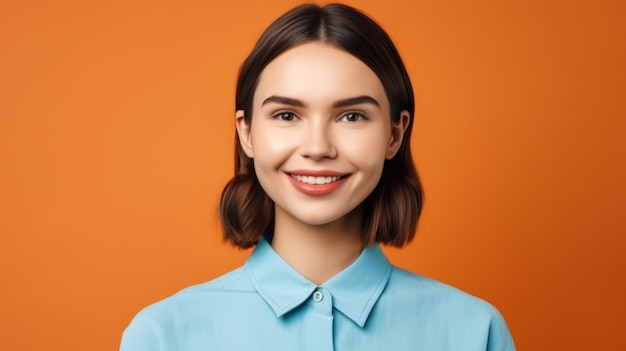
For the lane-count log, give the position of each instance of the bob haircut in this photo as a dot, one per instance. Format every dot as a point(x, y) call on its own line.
point(391, 211)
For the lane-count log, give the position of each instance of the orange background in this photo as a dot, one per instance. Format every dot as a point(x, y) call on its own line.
point(116, 139)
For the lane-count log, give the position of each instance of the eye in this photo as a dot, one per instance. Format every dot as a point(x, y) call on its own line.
point(284, 116)
point(353, 117)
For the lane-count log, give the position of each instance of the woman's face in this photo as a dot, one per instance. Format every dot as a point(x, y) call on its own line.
point(320, 132)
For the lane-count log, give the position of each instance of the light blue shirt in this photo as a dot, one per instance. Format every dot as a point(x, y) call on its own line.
point(267, 305)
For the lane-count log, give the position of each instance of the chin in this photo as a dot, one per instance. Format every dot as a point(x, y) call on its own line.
point(317, 221)
point(320, 220)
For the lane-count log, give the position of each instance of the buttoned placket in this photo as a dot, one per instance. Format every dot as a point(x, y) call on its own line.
point(319, 321)
point(308, 308)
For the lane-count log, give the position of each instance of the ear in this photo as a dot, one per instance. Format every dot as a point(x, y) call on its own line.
point(397, 134)
point(243, 130)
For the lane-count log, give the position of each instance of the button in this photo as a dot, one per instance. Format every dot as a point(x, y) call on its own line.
point(317, 296)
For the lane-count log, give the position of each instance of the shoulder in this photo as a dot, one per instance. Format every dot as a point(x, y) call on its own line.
point(405, 285)
point(207, 292)
point(197, 302)
point(446, 308)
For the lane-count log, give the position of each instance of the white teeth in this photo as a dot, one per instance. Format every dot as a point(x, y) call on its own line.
point(314, 180)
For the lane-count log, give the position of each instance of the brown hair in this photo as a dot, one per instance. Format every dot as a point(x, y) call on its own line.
point(391, 211)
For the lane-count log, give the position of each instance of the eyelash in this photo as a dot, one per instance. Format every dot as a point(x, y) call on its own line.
point(279, 116)
point(359, 115)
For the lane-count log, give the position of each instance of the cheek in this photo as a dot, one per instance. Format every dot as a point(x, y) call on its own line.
point(367, 149)
point(270, 148)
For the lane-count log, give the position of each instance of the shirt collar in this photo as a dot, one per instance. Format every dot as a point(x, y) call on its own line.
point(355, 290)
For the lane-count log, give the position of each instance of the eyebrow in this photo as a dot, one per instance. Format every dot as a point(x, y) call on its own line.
point(363, 99)
point(283, 100)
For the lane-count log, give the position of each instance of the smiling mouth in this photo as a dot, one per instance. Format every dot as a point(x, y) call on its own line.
point(315, 180)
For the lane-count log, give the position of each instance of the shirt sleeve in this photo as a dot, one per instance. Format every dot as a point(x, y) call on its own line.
point(141, 335)
point(500, 338)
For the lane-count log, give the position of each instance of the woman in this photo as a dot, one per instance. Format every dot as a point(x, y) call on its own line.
point(324, 173)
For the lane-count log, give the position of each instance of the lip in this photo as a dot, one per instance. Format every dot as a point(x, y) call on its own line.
point(317, 189)
point(317, 173)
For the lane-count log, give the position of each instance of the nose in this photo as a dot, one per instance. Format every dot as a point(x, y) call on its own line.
point(317, 141)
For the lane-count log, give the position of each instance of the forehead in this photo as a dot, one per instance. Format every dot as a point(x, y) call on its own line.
point(318, 73)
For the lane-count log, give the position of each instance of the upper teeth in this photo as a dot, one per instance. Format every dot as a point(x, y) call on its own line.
point(314, 180)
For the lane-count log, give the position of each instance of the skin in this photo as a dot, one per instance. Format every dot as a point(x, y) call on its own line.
point(318, 110)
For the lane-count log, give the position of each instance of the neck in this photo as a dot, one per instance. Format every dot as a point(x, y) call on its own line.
point(318, 252)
